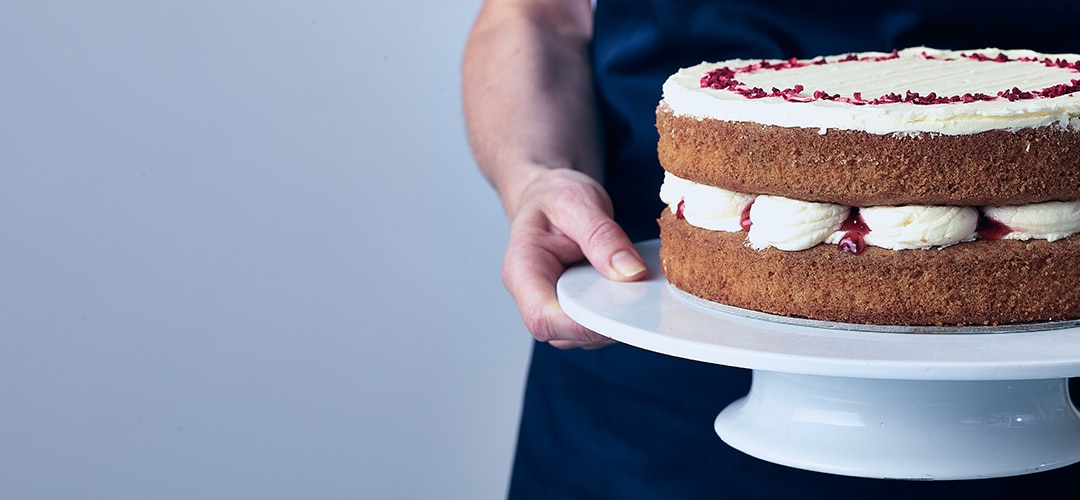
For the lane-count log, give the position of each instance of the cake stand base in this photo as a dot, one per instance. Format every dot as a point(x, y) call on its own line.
point(905, 429)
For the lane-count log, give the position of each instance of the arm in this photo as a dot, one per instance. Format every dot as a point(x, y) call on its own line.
point(533, 129)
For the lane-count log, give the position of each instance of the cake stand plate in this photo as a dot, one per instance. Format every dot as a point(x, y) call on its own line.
point(953, 404)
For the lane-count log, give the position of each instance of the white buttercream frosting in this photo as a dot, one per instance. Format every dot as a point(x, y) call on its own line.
point(791, 225)
point(912, 71)
point(707, 207)
point(1050, 221)
point(918, 226)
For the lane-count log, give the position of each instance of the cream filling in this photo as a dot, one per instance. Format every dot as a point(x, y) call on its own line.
point(792, 225)
point(1049, 221)
point(713, 208)
point(912, 71)
point(789, 224)
point(918, 226)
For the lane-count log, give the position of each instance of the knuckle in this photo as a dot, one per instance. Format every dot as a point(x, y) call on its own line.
point(584, 214)
point(579, 194)
point(508, 272)
point(540, 325)
point(600, 231)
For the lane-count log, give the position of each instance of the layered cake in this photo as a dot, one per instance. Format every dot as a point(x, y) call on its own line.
point(921, 187)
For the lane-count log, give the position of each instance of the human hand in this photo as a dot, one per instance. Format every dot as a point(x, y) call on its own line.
point(562, 217)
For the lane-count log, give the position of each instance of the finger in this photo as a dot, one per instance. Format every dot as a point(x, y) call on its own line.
point(588, 346)
point(530, 270)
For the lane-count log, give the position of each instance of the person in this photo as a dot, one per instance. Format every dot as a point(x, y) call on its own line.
point(559, 99)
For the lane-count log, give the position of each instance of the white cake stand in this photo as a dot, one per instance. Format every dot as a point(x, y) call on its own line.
point(830, 398)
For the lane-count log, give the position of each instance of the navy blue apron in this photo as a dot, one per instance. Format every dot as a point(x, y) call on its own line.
point(624, 423)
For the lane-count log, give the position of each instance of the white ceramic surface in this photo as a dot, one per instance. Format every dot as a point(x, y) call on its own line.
point(861, 403)
point(651, 315)
point(905, 429)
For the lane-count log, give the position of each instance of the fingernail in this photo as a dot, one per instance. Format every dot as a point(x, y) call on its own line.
point(627, 264)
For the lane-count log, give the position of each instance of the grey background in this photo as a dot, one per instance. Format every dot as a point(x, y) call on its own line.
point(245, 253)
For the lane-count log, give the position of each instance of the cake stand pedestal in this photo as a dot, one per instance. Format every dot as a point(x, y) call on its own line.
point(954, 404)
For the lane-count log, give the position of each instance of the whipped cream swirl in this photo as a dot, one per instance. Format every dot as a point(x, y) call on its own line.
point(792, 225)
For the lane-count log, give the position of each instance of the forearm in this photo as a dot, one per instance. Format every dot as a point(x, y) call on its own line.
point(532, 126)
point(527, 93)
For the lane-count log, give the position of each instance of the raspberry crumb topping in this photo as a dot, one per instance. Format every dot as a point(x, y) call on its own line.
point(725, 78)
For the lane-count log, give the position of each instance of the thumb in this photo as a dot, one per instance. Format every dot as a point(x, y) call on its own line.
point(609, 250)
point(584, 214)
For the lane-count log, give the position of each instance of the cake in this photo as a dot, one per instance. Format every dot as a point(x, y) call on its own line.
point(918, 187)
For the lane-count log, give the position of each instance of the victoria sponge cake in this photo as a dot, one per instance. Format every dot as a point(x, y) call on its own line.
point(918, 187)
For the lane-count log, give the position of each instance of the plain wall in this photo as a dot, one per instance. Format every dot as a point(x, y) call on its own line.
point(245, 253)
